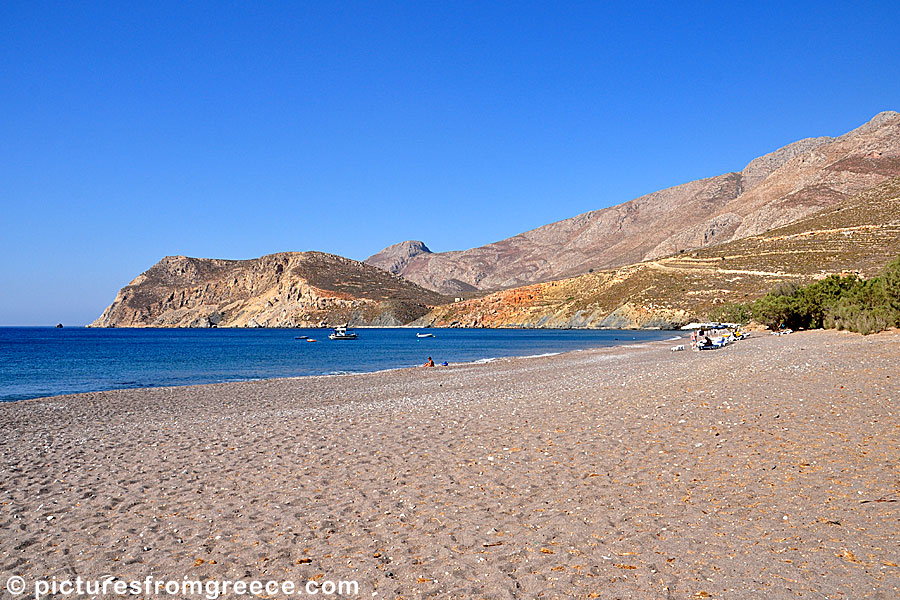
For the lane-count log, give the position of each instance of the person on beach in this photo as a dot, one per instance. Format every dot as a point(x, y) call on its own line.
point(429, 363)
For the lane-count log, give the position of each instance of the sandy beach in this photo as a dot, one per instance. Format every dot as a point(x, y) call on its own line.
point(768, 469)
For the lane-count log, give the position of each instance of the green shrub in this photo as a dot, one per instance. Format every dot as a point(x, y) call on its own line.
point(776, 311)
point(867, 308)
point(836, 302)
point(812, 301)
point(732, 313)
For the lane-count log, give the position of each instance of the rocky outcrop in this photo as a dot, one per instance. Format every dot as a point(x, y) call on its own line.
point(773, 190)
point(290, 289)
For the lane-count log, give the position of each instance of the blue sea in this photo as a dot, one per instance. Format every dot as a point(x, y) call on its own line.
point(45, 361)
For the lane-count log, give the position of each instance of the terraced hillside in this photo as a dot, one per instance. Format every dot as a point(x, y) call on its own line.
point(861, 234)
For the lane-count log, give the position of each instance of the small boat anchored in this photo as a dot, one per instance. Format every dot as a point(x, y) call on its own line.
point(341, 333)
point(424, 335)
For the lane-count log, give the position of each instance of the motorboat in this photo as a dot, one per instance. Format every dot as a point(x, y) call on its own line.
point(424, 335)
point(341, 333)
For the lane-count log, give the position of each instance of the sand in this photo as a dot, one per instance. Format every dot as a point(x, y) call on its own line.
point(768, 469)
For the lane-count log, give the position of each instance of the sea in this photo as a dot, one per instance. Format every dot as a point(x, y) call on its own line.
point(47, 361)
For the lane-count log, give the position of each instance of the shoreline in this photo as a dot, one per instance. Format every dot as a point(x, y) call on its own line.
point(88, 326)
point(765, 469)
point(329, 374)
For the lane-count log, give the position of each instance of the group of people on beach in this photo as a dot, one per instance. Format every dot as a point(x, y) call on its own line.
point(700, 339)
point(430, 363)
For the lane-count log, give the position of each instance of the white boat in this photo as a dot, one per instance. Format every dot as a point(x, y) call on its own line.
point(341, 333)
point(424, 335)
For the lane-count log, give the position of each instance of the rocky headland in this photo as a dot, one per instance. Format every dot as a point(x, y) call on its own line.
point(289, 289)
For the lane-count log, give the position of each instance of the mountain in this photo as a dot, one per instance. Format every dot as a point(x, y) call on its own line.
point(772, 190)
point(859, 234)
point(289, 289)
point(395, 258)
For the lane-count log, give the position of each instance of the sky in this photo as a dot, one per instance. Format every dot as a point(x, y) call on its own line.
point(132, 131)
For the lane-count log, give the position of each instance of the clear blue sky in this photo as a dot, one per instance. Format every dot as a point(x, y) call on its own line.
point(129, 131)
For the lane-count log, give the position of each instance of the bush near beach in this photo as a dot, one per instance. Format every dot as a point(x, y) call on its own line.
point(836, 302)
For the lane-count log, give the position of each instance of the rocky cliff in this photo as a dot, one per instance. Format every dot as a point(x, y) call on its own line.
point(289, 289)
point(773, 190)
point(860, 234)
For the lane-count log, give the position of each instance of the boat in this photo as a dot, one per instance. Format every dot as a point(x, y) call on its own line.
point(301, 337)
point(341, 333)
point(424, 335)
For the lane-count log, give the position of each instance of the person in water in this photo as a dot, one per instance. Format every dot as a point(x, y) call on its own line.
point(429, 363)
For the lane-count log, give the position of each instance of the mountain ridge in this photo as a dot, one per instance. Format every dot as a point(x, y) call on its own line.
point(772, 190)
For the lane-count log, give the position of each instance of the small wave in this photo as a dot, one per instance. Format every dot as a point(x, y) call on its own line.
point(135, 384)
point(389, 369)
point(340, 373)
point(672, 339)
point(483, 361)
point(541, 355)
